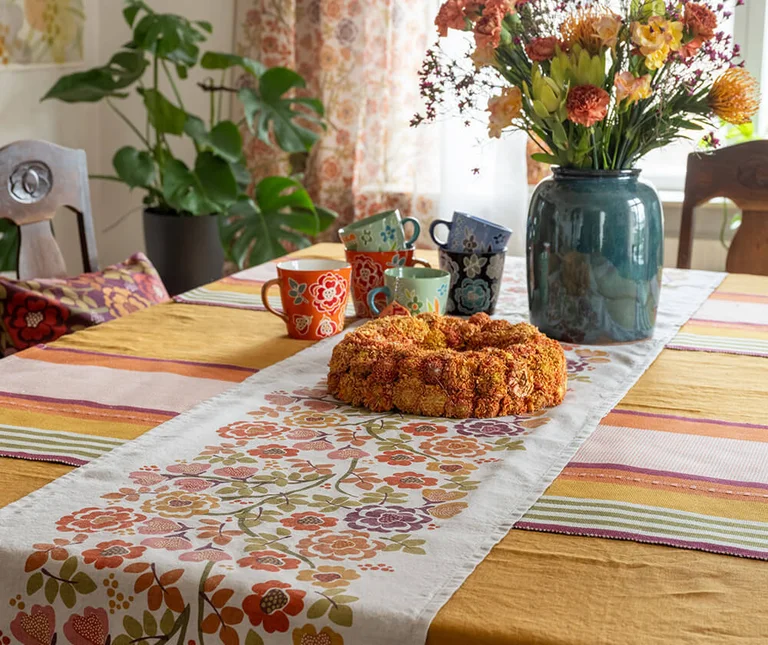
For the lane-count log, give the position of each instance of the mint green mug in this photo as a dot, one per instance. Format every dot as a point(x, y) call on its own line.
point(418, 289)
point(381, 232)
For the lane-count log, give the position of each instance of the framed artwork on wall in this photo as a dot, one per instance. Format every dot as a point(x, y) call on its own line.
point(36, 33)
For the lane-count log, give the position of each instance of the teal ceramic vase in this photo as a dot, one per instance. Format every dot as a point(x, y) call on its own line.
point(595, 249)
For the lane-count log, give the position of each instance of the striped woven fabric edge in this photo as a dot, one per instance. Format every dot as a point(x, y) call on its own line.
point(650, 524)
point(721, 344)
point(69, 448)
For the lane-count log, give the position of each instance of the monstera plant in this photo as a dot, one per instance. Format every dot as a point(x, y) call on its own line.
point(185, 203)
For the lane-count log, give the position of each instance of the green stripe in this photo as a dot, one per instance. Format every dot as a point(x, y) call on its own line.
point(673, 515)
point(53, 442)
point(33, 432)
point(59, 451)
point(641, 527)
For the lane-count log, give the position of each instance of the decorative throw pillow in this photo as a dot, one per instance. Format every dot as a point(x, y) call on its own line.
point(40, 311)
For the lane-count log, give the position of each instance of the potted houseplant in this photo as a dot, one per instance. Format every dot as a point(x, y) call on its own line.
point(197, 214)
point(596, 90)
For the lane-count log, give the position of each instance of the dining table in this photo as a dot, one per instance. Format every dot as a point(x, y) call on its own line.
point(653, 530)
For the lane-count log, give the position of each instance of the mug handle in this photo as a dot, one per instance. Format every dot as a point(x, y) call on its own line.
point(416, 230)
point(434, 225)
point(372, 297)
point(264, 289)
point(423, 263)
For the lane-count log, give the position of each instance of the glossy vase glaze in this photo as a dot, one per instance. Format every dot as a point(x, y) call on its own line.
point(595, 248)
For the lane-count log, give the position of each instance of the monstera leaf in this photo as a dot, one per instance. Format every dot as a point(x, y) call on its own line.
point(281, 214)
point(268, 110)
point(9, 245)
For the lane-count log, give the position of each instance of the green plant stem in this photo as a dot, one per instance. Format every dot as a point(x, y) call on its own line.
point(173, 85)
point(128, 122)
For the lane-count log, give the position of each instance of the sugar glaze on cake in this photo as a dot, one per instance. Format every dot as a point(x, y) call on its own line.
point(440, 366)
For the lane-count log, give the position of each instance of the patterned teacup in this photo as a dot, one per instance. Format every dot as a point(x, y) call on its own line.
point(418, 289)
point(368, 273)
point(314, 295)
point(475, 280)
point(380, 232)
point(468, 233)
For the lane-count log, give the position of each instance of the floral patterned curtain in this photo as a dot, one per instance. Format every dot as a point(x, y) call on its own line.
point(361, 58)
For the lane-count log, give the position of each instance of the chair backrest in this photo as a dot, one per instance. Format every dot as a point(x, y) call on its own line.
point(739, 173)
point(36, 178)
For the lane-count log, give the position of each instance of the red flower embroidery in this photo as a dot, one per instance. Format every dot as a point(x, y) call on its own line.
point(273, 451)
point(251, 430)
point(35, 628)
point(419, 429)
point(329, 293)
point(399, 457)
point(100, 520)
point(90, 628)
point(110, 555)
point(272, 561)
point(272, 603)
point(308, 521)
point(32, 319)
point(410, 479)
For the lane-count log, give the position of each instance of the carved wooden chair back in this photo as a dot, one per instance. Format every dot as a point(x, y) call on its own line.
point(36, 178)
point(739, 173)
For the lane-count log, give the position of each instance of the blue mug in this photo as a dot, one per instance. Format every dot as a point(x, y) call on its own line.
point(469, 234)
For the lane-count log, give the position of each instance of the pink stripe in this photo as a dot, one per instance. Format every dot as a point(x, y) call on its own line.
point(716, 351)
point(723, 323)
point(89, 404)
point(692, 419)
point(665, 473)
point(209, 303)
point(647, 539)
point(59, 459)
point(143, 358)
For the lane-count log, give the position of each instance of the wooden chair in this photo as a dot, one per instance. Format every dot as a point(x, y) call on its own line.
point(739, 173)
point(36, 178)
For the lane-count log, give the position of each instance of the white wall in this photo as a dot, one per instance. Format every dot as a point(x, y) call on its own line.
point(94, 127)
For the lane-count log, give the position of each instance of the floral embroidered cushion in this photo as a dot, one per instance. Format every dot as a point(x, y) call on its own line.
point(40, 311)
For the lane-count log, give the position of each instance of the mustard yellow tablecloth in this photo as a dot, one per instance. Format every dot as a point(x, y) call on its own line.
point(533, 587)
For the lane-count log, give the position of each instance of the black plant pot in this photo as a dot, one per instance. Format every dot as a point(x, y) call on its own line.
point(185, 250)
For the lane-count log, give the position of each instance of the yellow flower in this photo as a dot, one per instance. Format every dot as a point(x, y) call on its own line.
point(504, 109)
point(328, 577)
point(484, 57)
point(180, 504)
point(656, 39)
point(735, 96)
point(630, 87)
point(607, 29)
point(308, 635)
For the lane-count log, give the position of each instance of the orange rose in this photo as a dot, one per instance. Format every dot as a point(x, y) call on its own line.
point(691, 48)
point(488, 30)
point(450, 16)
point(632, 88)
point(541, 49)
point(587, 104)
point(700, 20)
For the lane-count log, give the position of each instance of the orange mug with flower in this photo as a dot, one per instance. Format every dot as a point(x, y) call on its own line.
point(314, 295)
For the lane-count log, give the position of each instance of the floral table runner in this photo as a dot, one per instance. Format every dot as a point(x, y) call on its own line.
point(273, 511)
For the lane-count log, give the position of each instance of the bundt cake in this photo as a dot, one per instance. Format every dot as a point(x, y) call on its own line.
point(439, 366)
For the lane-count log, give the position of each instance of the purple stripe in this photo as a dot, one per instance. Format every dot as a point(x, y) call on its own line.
point(692, 419)
point(208, 303)
point(665, 473)
point(639, 537)
point(717, 351)
point(143, 358)
point(68, 461)
point(90, 404)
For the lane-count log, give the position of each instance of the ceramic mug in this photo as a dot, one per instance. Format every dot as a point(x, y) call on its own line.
point(380, 232)
point(468, 233)
point(314, 295)
point(419, 290)
point(368, 269)
point(475, 280)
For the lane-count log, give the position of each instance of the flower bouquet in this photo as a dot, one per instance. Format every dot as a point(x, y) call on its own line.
point(597, 85)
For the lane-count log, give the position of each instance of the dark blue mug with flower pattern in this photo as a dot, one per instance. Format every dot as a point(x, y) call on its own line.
point(475, 280)
point(471, 234)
